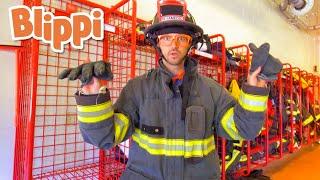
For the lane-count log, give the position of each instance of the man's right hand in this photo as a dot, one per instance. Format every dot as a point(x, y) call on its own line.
point(89, 74)
point(92, 87)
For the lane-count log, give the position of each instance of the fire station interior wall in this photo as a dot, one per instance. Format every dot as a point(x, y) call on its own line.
point(244, 21)
point(5, 33)
point(7, 112)
point(240, 21)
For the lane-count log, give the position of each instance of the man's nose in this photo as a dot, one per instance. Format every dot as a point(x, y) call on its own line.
point(175, 42)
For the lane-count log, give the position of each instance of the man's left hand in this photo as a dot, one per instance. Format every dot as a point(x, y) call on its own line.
point(253, 79)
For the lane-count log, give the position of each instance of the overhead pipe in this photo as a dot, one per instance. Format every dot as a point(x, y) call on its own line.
point(292, 9)
point(298, 4)
point(301, 7)
point(297, 7)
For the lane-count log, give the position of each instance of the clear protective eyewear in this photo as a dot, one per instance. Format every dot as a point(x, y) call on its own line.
point(181, 39)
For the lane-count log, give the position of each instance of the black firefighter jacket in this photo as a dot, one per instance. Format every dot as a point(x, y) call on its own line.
point(172, 127)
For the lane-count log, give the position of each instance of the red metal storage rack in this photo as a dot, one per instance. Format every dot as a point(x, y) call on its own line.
point(242, 52)
point(317, 107)
point(297, 83)
point(213, 65)
point(48, 142)
point(306, 139)
point(312, 81)
point(288, 91)
point(239, 73)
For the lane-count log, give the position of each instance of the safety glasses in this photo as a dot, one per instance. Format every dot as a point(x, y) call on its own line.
point(181, 39)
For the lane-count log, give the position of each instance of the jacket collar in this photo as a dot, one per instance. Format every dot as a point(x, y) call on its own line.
point(190, 65)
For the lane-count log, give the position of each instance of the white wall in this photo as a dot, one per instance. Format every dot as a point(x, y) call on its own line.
point(5, 32)
point(244, 21)
point(241, 21)
point(7, 112)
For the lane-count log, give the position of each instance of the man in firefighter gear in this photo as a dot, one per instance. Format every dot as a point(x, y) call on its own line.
point(171, 112)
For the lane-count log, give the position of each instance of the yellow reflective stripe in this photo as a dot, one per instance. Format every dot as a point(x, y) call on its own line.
point(307, 121)
point(121, 125)
point(95, 113)
point(291, 101)
point(243, 158)
point(239, 144)
point(278, 142)
point(317, 117)
point(96, 118)
point(252, 102)
point(199, 153)
point(227, 157)
point(229, 125)
point(294, 113)
point(174, 147)
point(93, 108)
point(235, 154)
point(254, 97)
point(170, 141)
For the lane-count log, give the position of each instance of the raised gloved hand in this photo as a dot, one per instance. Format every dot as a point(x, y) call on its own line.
point(85, 72)
point(270, 66)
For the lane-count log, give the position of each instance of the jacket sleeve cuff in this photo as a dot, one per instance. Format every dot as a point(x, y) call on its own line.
point(254, 90)
point(253, 98)
point(93, 99)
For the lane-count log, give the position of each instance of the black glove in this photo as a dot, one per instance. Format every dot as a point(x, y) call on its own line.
point(270, 66)
point(85, 72)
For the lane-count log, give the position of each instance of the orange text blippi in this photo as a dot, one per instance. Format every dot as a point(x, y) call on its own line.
point(56, 30)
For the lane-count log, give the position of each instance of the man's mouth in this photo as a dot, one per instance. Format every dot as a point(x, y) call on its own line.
point(174, 53)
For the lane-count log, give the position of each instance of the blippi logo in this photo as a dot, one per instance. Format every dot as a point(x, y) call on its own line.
point(56, 30)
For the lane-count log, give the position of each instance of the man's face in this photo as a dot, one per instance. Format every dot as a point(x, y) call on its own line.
point(174, 47)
